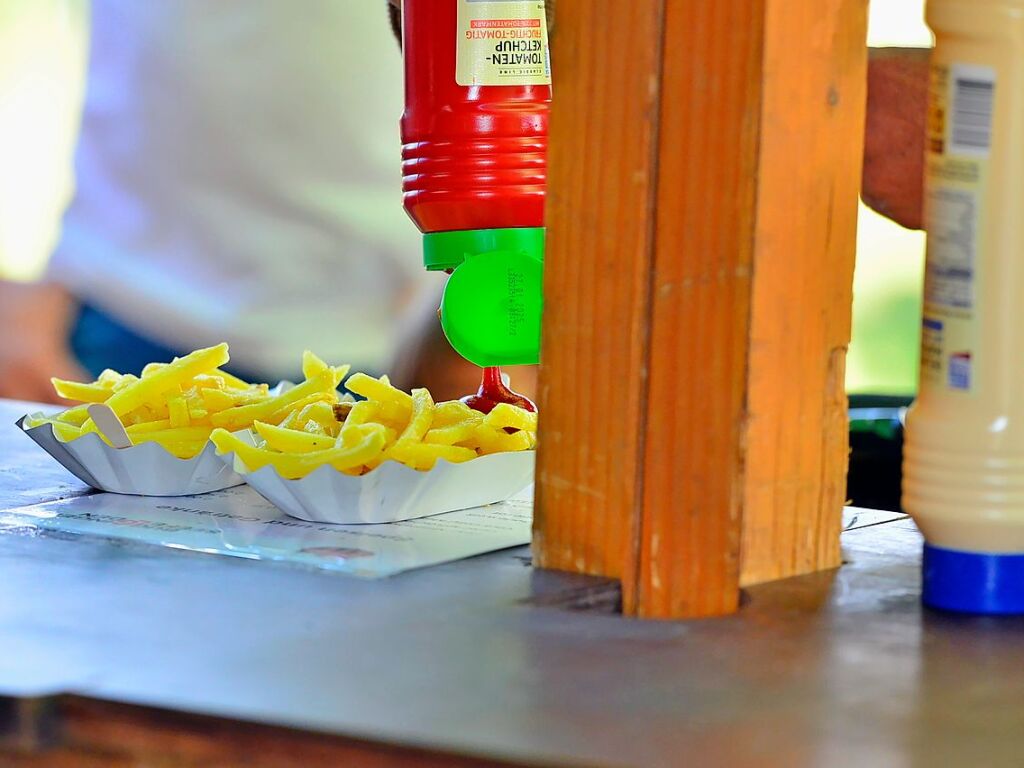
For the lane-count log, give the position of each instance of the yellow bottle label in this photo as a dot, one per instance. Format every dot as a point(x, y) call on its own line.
point(959, 143)
point(502, 42)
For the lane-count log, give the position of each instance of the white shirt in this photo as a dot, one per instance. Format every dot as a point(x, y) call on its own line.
point(238, 178)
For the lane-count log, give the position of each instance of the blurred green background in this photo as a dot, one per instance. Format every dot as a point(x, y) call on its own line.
point(890, 259)
point(43, 46)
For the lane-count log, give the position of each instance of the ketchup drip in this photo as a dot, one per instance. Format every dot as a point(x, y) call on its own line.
point(493, 391)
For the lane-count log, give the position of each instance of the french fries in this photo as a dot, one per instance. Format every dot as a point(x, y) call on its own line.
point(190, 401)
point(178, 404)
point(370, 443)
point(389, 424)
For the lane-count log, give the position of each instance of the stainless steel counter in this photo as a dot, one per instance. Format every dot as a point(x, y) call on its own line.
point(488, 657)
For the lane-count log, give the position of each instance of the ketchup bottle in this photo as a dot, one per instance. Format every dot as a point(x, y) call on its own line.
point(474, 144)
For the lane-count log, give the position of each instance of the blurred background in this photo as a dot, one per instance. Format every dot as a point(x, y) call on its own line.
point(890, 259)
point(42, 76)
point(42, 64)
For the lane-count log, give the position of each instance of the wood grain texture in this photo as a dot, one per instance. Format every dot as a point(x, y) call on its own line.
point(700, 308)
point(91, 734)
point(704, 163)
point(601, 198)
point(812, 133)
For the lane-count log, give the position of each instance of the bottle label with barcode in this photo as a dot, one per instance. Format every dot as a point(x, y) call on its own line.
point(972, 99)
point(960, 139)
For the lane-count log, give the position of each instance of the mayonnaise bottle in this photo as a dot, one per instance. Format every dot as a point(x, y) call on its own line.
point(963, 473)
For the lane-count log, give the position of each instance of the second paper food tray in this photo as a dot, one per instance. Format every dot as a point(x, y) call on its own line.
point(392, 492)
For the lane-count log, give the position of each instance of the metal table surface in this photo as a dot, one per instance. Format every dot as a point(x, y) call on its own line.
point(482, 657)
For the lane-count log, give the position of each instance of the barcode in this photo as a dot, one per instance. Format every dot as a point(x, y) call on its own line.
point(972, 114)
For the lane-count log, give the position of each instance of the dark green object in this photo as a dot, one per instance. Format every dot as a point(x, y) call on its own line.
point(876, 451)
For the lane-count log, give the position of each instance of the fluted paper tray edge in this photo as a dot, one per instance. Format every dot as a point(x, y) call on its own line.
point(392, 492)
point(146, 469)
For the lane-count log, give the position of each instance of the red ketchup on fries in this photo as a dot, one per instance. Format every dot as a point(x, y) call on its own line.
point(493, 391)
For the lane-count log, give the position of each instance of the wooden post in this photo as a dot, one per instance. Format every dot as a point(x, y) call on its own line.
point(704, 168)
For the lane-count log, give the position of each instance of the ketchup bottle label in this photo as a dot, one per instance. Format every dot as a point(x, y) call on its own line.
point(501, 42)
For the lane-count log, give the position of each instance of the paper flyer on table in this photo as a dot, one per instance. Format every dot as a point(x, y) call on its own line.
point(240, 523)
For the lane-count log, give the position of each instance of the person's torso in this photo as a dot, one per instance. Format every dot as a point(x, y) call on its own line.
point(238, 177)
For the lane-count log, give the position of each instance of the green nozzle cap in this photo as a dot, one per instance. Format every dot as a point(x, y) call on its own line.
point(491, 307)
point(446, 250)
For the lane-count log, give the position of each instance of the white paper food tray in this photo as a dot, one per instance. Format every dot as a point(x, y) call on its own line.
point(392, 492)
point(146, 469)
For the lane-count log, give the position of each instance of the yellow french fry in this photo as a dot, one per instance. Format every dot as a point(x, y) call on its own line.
point(222, 399)
point(295, 466)
point(148, 426)
point(380, 458)
point(423, 457)
point(299, 413)
point(182, 442)
point(291, 421)
point(177, 409)
point(167, 378)
point(278, 416)
point(298, 429)
point(61, 430)
point(354, 435)
point(219, 400)
point(108, 378)
point(185, 449)
point(379, 390)
point(253, 457)
point(453, 412)
point(312, 427)
point(196, 405)
point(182, 449)
point(489, 440)
point(312, 365)
point(369, 448)
point(456, 433)
point(421, 418)
point(322, 413)
point(390, 418)
point(325, 382)
point(144, 413)
point(207, 381)
point(361, 413)
point(157, 410)
point(292, 440)
point(76, 416)
point(507, 415)
point(125, 381)
point(83, 393)
point(171, 435)
point(224, 377)
point(236, 383)
point(366, 413)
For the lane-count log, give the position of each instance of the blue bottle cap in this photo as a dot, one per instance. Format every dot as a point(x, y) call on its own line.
point(972, 582)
